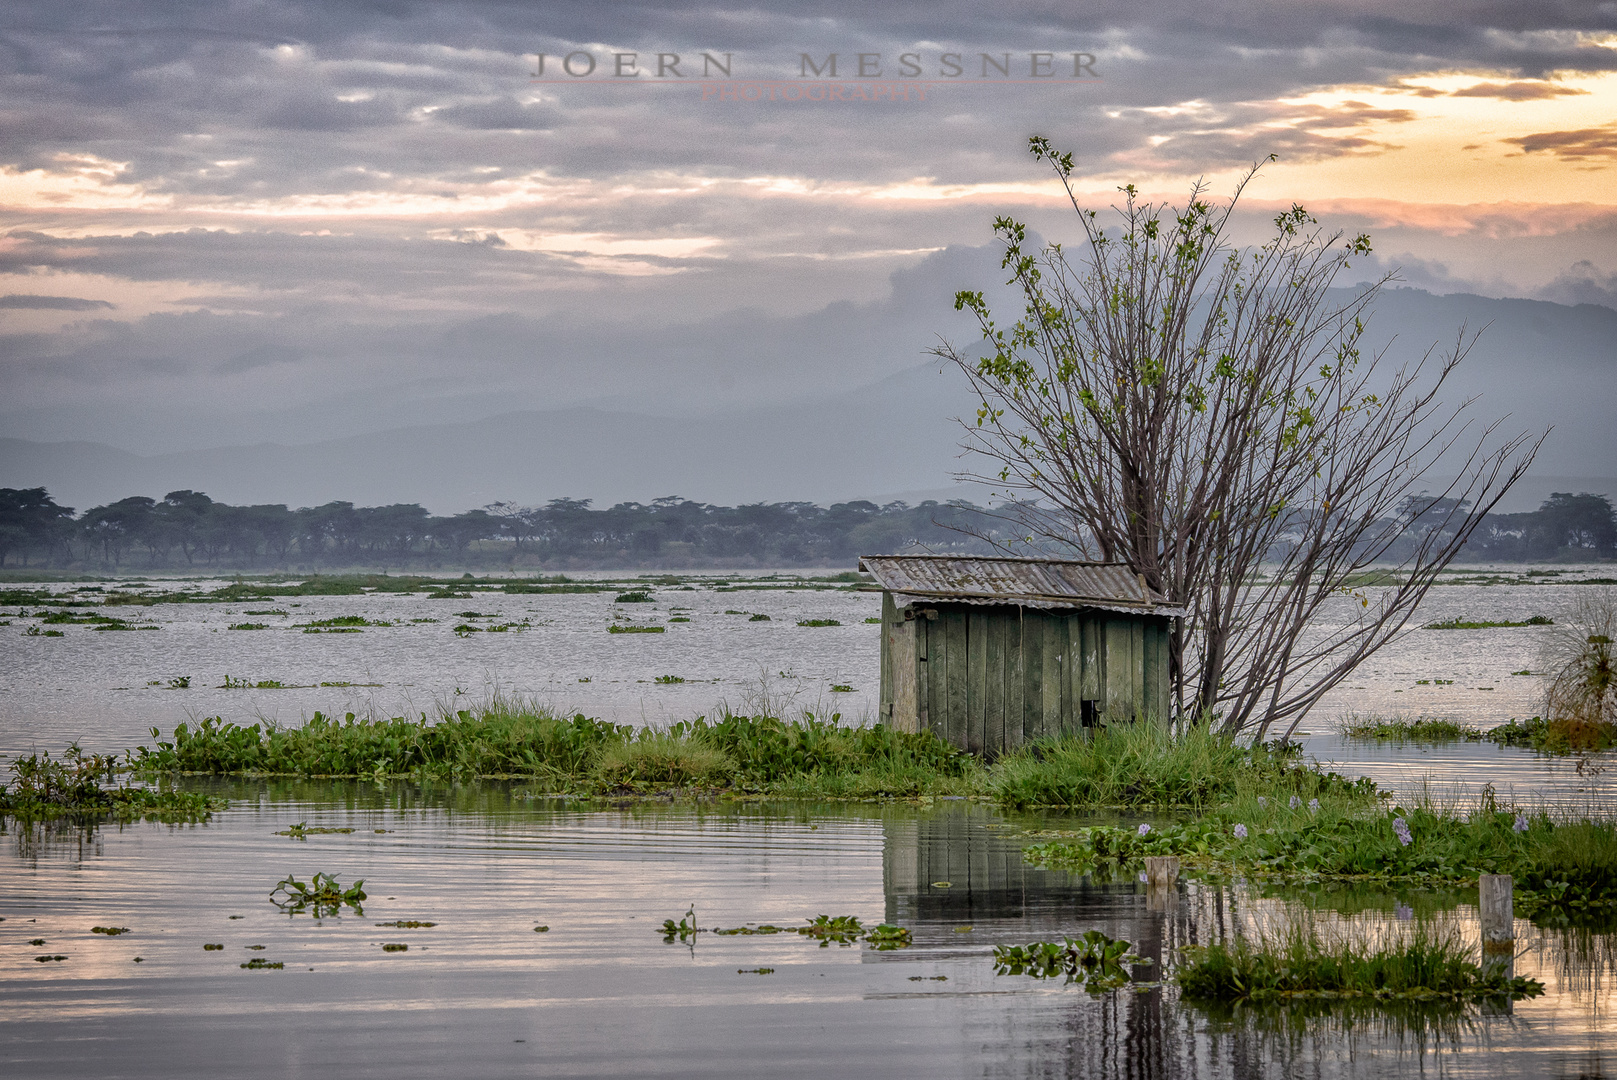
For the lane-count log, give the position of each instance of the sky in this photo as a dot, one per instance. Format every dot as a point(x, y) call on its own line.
point(228, 223)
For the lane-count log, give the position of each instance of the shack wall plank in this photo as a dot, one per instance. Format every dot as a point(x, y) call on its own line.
point(977, 679)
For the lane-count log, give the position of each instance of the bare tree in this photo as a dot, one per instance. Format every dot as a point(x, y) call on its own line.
point(1203, 413)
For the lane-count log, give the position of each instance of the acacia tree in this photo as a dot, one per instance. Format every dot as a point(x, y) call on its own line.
point(1203, 413)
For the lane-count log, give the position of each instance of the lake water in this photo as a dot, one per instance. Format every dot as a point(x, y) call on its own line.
point(600, 994)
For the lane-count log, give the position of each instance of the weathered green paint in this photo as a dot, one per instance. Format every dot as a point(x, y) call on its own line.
point(991, 679)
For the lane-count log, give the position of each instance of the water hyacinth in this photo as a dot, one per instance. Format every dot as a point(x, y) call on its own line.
point(1240, 832)
point(1401, 827)
point(1295, 802)
point(1144, 829)
point(1313, 806)
point(1521, 823)
point(1404, 912)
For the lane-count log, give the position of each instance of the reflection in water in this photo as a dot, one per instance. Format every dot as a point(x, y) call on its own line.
point(599, 994)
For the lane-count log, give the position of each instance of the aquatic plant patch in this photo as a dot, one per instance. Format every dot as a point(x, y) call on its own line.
point(818, 622)
point(110, 931)
point(1404, 729)
point(616, 629)
point(1487, 624)
point(301, 831)
point(635, 597)
point(321, 896)
point(1094, 959)
point(1563, 735)
point(1427, 964)
point(826, 929)
point(1563, 871)
point(47, 787)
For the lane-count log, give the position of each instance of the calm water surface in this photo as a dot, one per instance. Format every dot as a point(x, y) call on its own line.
point(481, 994)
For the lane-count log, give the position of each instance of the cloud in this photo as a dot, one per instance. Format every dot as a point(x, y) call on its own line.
point(52, 303)
point(1518, 91)
point(1585, 144)
point(1583, 283)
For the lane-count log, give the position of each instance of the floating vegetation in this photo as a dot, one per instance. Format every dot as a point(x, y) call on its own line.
point(266, 611)
point(324, 895)
point(1427, 964)
point(248, 626)
point(616, 629)
point(668, 680)
point(180, 682)
point(34, 631)
point(343, 622)
point(50, 959)
point(874, 619)
point(1487, 624)
point(213, 948)
point(302, 830)
point(1566, 735)
point(818, 622)
point(656, 758)
point(395, 946)
point(733, 611)
point(678, 618)
point(755, 971)
point(1094, 959)
point(232, 683)
point(110, 931)
point(1404, 729)
point(408, 924)
point(467, 628)
point(47, 787)
point(36, 942)
point(826, 929)
point(929, 978)
point(634, 597)
point(258, 963)
point(760, 617)
point(841, 688)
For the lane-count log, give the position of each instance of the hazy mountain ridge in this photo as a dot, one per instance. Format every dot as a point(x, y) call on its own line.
point(1541, 362)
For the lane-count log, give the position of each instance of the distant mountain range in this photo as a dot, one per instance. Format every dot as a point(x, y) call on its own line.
point(1544, 363)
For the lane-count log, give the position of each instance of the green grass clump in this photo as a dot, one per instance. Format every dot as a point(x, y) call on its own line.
point(818, 622)
point(664, 759)
point(1487, 624)
point(1427, 963)
point(1403, 729)
point(1141, 764)
point(634, 596)
point(616, 629)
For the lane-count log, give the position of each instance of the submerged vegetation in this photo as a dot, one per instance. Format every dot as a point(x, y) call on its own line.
point(1425, 964)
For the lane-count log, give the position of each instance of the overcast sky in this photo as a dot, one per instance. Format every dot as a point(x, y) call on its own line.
point(228, 222)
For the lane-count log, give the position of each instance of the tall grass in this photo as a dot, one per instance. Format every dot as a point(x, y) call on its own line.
point(1147, 765)
point(1426, 962)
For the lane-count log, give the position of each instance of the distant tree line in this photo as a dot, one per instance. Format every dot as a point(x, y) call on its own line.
point(189, 530)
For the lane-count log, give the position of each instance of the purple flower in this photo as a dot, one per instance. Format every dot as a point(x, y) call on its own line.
point(1295, 802)
point(1401, 827)
point(1240, 832)
point(1144, 828)
point(1313, 806)
point(1521, 823)
point(1262, 801)
point(1404, 913)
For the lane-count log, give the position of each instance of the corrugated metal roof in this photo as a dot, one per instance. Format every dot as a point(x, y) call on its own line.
point(1037, 583)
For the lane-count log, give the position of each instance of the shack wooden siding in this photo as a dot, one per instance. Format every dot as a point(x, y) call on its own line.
point(990, 679)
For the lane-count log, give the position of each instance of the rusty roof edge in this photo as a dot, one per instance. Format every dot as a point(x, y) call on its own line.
point(905, 598)
point(997, 558)
point(1064, 598)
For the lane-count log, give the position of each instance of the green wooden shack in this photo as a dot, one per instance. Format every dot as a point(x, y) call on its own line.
point(990, 653)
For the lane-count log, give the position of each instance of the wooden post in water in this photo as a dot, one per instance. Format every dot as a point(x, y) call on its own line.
point(1498, 914)
point(1161, 875)
point(1161, 871)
